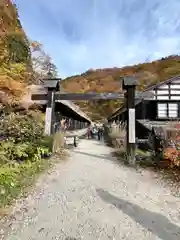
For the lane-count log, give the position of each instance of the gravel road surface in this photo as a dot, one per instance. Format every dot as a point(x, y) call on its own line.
point(90, 196)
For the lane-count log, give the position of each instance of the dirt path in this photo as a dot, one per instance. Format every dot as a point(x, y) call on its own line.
point(92, 197)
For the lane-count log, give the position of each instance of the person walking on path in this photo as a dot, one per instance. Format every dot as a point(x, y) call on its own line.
point(100, 133)
point(62, 124)
point(89, 132)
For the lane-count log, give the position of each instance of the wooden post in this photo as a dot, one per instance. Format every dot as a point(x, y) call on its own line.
point(129, 84)
point(131, 136)
point(75, 124)
point(52, 85)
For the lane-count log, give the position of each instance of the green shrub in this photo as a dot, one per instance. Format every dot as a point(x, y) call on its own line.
point(45, 141)
point(22, 147)
point(22, 151)
point(23, 139)
point(22, 128)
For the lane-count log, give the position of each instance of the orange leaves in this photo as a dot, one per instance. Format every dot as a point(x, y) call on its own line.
point(35, 45)
point(173, 156)
point(11, 87)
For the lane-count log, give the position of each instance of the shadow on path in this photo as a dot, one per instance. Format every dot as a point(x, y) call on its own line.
point(70, 238)
point(103, 156)
point(154, 222)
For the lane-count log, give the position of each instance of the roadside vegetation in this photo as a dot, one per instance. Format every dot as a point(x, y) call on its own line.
point(24, 150)
point(171, 146)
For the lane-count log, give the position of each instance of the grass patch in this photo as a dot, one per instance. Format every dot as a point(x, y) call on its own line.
point(16, 177)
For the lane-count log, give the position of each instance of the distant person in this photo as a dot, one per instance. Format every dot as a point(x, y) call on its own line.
point(100, 133)
point(62, 124)
point(89, 132)
point(66, 124)
point(94, 131)
point(56, 127)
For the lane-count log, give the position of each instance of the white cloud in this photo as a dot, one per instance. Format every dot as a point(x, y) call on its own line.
point(102, 33)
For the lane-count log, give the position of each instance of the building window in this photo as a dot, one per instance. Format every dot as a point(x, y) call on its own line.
point(167, 110)
point(162, 110)
point(163, 97)
point(172, 110)
point(162, 94)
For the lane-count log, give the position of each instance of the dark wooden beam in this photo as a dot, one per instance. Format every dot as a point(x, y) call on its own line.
point(91, 96)
point(164, 100)
point(174, 83)
point(88, 96)
point(167, 94)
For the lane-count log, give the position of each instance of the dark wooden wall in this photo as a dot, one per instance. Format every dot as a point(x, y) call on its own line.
point(146, 110)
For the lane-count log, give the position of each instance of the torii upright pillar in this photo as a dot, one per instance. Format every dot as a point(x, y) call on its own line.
point(52, 86)
point(129, 84)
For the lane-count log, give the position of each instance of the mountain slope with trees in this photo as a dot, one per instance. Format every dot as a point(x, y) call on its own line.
point(15, 63)
point(108, 80)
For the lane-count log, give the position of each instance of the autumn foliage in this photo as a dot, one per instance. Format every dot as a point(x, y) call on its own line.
point(172, 153)
point(14, 54)
point(108, 80)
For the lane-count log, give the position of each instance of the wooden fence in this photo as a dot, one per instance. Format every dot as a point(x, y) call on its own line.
point(159, 138)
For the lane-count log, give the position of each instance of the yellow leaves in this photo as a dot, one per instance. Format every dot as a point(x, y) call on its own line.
point(12, 81)
point(16, 71)
point(18, 68)
point(13, 76)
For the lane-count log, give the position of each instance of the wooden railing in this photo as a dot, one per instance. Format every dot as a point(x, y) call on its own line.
point(116, 134)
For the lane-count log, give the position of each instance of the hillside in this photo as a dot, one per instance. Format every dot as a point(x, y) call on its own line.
point(107, 80)
point(15, 62)
point(16, 69)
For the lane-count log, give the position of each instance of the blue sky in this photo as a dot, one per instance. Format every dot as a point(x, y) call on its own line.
point(84, 34)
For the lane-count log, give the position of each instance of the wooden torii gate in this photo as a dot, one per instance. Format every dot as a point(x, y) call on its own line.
point(128, 84)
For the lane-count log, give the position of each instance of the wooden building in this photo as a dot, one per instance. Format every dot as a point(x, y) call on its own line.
point(165, 107)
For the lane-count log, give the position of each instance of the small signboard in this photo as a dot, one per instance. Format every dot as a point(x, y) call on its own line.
point(132, 137)
point(48, 121)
